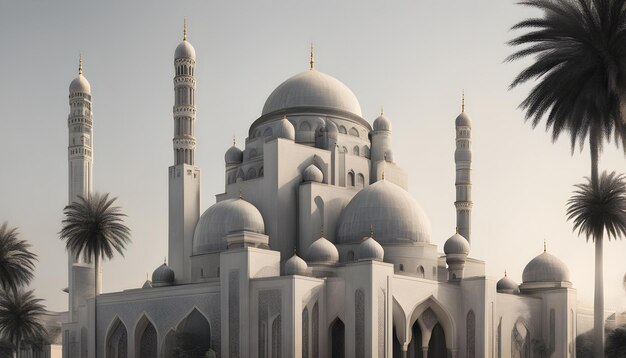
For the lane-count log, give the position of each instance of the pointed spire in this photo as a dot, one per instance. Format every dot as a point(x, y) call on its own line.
point(240, 194)
point(184, 28)
point(80, 64)
point(234, 142)
point(463, 101)
point(505, 273)
point(545, 246)
point(372, 231)
point(456, 229)
point(164, 260)
point(322, 231)
point(312, 60)
point(382, 110)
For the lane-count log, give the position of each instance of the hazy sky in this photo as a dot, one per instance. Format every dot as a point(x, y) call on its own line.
point(413, 57)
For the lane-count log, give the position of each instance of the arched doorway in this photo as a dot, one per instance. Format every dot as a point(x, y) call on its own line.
point(437, 343)
point(415, 347)
point(338, 339)
point(148, 342)
point(117, 341)
point(192, 338)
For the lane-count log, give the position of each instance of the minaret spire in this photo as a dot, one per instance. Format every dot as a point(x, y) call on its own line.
point(80, 64)
point(463, 163)
point(463, 101)
point(184, 28)
point(312, 59)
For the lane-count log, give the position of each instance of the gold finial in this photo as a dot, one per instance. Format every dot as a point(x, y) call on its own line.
point(544, 245)
point(505, 273)
point(457, 229)
point(80, 64)
point(184, 28)
point(312, 60)
point(234, 141)
point(372, 230)
point(463, 101)
point(322, 231)
point(164, 260)
point(382, 111)
point(240, 194)
point(295, 252)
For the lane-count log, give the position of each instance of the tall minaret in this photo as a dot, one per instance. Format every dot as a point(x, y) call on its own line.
point(80, 162)
point(463, 161)
point(184, 176)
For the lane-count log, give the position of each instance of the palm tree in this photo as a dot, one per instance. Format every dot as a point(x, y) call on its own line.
point(94, 229)
point(17, 263)
point(579, 51)
point(20, 314)
point(596, 209)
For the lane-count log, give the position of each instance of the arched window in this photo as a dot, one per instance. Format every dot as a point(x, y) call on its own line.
point(360, 180)
point(117, 343)
point(366, 151)
point(192, 335)
point(342, 130)
point(351, 178)
point(420, 271)
point(353, 132)
point(471, 334)
point(337, 339)
point(355, 150)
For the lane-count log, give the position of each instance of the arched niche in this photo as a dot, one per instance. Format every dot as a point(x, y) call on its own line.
point(116, 340)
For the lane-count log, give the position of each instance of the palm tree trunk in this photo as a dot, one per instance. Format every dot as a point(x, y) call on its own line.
point(17, 348)
point(594, 140)
point(95, 303)
point(598, 301)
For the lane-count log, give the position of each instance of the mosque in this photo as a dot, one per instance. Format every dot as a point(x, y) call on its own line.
point(314, 249)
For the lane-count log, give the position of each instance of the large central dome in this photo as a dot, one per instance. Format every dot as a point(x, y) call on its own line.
point(312, 89)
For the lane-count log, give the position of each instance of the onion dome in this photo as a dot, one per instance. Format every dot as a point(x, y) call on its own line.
point(463, 120)
point(312, 173)
point(233, 155)
point(223, 218)
point(456, 245)
point(398, 218)
point(80, 85)
point(382, 123)
point(163, 276)
point(370, 249)
point(312, 89)
point(322, 251)
point(285, 129)
point(545, 268)
point(185, 50)
point(507, 285)
point(295, 266)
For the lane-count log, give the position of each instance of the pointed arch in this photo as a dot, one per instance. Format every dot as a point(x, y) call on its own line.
point(337, 341)
point(342, 129)
point(146, 337)
point(471, 334)
point(443, 317)
point(520, 340)
point(116, 339)
point(193, 333)
point(168, 348)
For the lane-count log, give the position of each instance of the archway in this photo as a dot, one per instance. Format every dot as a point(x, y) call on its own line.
point(437, 344)
point(117, 340)
point(148, 342)
point(415, 347)
point(338, 339)
point(192, 338)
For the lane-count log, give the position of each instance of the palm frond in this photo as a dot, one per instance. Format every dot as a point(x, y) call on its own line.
point(20, 316)
point(17, 262)
point(599, 210)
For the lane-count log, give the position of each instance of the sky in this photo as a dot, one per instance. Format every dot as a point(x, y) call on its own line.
point(412, 57)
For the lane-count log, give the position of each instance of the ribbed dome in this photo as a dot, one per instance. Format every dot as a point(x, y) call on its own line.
point(312, 173)
point(312, 89)
point(295, 266)
point(233, 155)
point(370, 249)
point(80, 85)
point(463, 120)
point(322, 251)
point(456, 244)
point(223, 218)
point(163, 276)
point(185, 50)
point(507, 285)
point(285, 129)
point(393, 212)
point(546, 268)
point(382, 123)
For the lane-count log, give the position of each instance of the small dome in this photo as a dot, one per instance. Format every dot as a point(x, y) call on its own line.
point(312, 173)
point(507, 285)
point(163, 276)
point(546, 268)
point(382, 123)
point(463, 120)
point(223, 218)
point(285, 129)
point(312, 89)
point(322, 251)
point(456, 244)
point(80, 85)
point(370, 249)
point(397, 217)
point(185, 50)
point(295, 266)
point(233, 155)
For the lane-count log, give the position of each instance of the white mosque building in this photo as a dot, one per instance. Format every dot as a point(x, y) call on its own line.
point(315, 248)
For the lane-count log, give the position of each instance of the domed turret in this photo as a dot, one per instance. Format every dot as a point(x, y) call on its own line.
point(545, 268)
point(185, 49)
point(456, 244)
point(295, 266)
point(456, 249)
point(397, 217)
point(507, 285)
point(463, 120)
point(382, 123)
point(80, 83)
point(312, 173)
point(233, 155)
point(370, 249)
point(322, 252)
point(285, 129)
point(163, 276)
point(223, 218)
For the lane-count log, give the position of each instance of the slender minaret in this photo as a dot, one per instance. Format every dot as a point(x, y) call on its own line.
point(184, 176)
point(463, 161)
point(80, 162)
